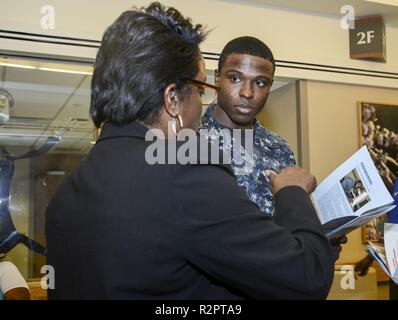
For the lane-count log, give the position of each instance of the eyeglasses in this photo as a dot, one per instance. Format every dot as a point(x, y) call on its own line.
point(207, 91)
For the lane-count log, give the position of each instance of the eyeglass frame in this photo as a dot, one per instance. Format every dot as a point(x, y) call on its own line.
point(198, 83)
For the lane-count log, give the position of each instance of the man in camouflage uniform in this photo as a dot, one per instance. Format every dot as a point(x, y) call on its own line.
point(245, 74)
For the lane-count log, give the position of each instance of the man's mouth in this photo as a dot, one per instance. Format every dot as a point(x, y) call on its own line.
point(243, 108)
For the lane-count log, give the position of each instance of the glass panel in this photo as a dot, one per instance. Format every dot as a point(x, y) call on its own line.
point(45, 130)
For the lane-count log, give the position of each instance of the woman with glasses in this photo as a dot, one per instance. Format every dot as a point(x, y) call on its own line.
point(121, 228)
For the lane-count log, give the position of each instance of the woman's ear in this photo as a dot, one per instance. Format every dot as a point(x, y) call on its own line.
point(171, 100)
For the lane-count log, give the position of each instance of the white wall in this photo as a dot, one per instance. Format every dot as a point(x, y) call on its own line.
point(280, 115)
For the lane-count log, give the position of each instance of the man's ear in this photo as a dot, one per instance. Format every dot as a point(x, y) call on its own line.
point(216, 77)
point(171, 100)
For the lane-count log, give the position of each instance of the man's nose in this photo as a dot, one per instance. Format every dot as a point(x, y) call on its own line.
point(246, 91)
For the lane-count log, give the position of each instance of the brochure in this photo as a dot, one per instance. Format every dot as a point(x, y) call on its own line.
point(351, 196)
point(387, 254)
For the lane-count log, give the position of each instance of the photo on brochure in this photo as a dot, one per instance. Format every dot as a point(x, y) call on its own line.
point(355, 190)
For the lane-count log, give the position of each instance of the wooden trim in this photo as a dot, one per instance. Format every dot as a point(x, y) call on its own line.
point(36, 291)
point(367, 19)
point(359, 108)
point(303, 142)
point(373, 56)
point(380, 274)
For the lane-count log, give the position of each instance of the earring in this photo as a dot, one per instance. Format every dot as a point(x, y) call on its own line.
point(180, 121)
point(173, 125)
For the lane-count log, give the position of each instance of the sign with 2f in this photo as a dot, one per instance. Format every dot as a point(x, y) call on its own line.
point(365, 37)
point(367, 40)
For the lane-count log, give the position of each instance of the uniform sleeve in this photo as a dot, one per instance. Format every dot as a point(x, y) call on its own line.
point(226, 236)
point(291, 159)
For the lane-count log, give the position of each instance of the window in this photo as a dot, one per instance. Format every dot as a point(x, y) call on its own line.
point(44, 106)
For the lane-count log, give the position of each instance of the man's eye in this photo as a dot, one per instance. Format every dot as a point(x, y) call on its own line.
point(260, 83)
point(201, 91)
point(235, 79)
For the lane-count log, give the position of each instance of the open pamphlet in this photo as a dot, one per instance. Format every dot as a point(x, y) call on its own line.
point(351, 196)
point(387, 255)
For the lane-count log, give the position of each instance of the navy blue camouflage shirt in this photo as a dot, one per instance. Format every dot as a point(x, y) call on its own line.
point(270, 152)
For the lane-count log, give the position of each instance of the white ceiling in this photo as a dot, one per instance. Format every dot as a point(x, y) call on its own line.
point(47, 104)
point(387, 8)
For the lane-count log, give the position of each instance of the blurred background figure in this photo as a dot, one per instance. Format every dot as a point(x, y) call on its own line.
point(13, 286)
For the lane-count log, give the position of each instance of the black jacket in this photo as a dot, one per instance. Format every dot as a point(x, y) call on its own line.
point(120, 228)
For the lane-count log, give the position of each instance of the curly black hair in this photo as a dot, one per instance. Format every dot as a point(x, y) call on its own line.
point(141, 53)
point(246, 45)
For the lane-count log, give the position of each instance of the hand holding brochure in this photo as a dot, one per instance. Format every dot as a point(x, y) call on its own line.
point(387, 255)
point(351, 196)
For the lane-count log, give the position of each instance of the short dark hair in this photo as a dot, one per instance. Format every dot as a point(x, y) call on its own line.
point(246, 45)
point(141, 53)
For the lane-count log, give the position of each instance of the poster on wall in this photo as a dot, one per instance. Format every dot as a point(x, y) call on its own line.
point(378, 126)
